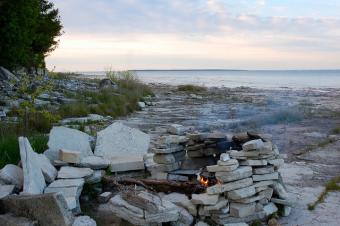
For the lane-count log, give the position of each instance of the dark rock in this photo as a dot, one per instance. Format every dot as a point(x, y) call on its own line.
point(12, 220)
point(107, 83)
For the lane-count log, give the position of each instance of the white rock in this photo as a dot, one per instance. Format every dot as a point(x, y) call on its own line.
point(286, 211)
point(94, 162)
point(71, 139)
point(12, 174)
point(204, 199)
point(104, 197)
point(270, 208)
point(141, 105)
point(241, 193)
point(6, 190)
point(224, 157)
point(239, 173)
point(126, 163)
point(119, 140)
point(242, 210)
point(84, 221)
point(228, 162)
point(48, 170)
point(176, 129)
point(69, 172)
point(253, 145)
point(34, 182)
point(69, 156)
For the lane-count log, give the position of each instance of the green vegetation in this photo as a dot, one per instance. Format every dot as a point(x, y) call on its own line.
point(29, 29)
point(9, 147)
point(191, 88)
point(336, 130)
point(332, 185)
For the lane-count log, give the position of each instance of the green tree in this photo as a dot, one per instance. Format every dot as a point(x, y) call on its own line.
point(28, 32)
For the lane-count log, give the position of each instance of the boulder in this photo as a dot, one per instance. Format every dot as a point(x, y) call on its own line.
point(66, 138)
point(47, 209)
point(34, 182)
point(84, 221)
point(12, 174)
point(69, 172)
point(6, 190)
point(10, 219)
point(120, 140)
point(7, 75)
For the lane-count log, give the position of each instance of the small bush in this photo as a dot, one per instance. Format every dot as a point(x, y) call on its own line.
point(191, 88)
point(61, 75)
point(336, 130)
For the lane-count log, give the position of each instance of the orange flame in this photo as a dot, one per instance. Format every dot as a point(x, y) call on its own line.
point(204, 181)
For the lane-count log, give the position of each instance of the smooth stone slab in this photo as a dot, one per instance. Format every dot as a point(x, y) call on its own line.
point(84, 221)
point(240, 173)
point(284, 202)
point(67, 183)
point(70, 139)
point(47, 209)
point(12, 174)
point(6, 190)
point(182, 201)
point(276, 162)
point(286, 211)
point(222, 202)
point(94, 162)
point(241, 193)
point(241, 210)
point(250, 199)
point(169, 158)
point(251, 162)
point(204, 199)
point(119, 140)
point(218, 168)
point(69, 156)
point(220, 188)
point(263, 170)
point(165, 167)
point(126, 163)
point(263, 183)
point(249, 154)
point(69, 172)
point(270, 208)
point(227, 163)
point(48, 170)
point(172, 149)
point(270, 176)
point(267, 193)
point(10, 219)
point(253, 145)
point(34, 181)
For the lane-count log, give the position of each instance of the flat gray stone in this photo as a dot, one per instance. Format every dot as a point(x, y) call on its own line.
point(204, 199)
point(6, 190)
point(10, 219)
point(12, 174)
point(71, 139)
point(241, 210)
point(84, 221)
point(253, 145)
point(120, 140)
point(126, 163)
point(241, 193)
point(169, 158)
point(47, 209)
point(228, 162)
point(70, 172)
point(94, 162)
point(240, 173)
point(263, 170)
point(270, 176)
point(176, 129)
point(69, 156)
point(219, 168)
point(34, 182)
point(251, 162)
point(270, 208)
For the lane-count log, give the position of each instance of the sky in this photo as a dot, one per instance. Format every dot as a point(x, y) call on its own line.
point(196, 34)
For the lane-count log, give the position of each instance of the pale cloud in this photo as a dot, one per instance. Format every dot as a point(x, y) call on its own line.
point(192, 34)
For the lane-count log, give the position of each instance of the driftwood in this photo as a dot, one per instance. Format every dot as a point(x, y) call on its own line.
point(156, 185)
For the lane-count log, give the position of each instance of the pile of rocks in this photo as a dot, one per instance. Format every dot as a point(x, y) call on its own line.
point(247, 179)
point(169, 152)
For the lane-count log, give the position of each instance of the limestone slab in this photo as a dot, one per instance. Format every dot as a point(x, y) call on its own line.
point(94, 162)
point(70, 139)
point(239, 173)
point(69, 156)
point(119, 140)
point(204, 199)
point(252, 162)
point(48, 170)
point(253, 145)
point(228, 162)
point(241, 193)
point(219, 168)
point(34, 181)
point(242, 210)
point(84, 221)
point(12, 174)
point(169, 158)
point(270, 176)
point(263, 170)
point(70, 172)
point(126, 163)
point(270, 208)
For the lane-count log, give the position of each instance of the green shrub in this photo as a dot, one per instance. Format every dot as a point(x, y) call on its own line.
point(336, 130)
point(191, 88)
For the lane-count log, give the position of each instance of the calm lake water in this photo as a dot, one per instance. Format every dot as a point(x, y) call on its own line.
point(257, 79)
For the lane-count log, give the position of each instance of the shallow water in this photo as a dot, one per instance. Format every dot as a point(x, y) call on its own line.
point(296, 79)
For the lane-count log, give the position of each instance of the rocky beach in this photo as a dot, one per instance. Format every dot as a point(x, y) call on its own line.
point(221, 155)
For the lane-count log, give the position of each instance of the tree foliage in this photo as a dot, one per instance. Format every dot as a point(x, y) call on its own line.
point(28, 32)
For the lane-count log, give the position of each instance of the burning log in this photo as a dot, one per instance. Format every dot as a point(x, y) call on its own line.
point(157, 185)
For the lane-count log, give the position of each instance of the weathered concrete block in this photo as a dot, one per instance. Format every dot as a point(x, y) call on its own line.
point(47, 209)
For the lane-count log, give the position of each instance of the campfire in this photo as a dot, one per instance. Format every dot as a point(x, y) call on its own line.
point(207, 179)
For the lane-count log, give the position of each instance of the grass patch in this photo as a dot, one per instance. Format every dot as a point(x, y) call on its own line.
point(9, 146)
point(336, 130)
point(61, 75)
point(191, 88)
point(331, 185)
